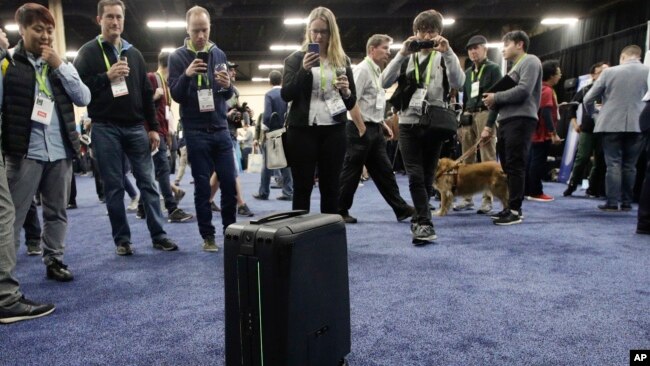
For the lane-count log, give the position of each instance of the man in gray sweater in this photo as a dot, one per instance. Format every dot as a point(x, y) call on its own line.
point(517, 108)
point(622, 87)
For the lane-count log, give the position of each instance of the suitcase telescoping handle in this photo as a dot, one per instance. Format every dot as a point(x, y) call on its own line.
point(279, 216)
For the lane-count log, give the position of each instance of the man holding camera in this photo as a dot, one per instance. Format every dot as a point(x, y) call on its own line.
point(370, 150)
point(202, 89)
point(478, 78)
point(122, 99)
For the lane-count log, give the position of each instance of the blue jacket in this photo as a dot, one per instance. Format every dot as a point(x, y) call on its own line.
point(273, 102)
point(184, 90)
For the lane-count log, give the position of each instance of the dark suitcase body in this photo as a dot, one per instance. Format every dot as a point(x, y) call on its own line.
point(286, 291)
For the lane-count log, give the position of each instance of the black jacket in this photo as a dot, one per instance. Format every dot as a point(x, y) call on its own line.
point(296, 88)
point(19, 85)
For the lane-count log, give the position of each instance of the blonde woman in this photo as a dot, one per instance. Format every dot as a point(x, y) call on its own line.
point(319, 84)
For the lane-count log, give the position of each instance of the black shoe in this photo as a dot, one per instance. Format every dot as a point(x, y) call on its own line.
point(349, 219)
point(591, 193)
point(71, 206)
point(407, 214)
point(214, 207)
point(608, 208)
point(243, 210)
point(626, 207)
point(34, 247)
point(24, 309)
point(569, 190)
point(423, 234)
point(643, 231)
point(284, 198)
point(178, 215)
point(59, 271)
point(123, 249)
point(503, 213)
point(511, 219)
point(140, 214)
point(258, 196)
point(165, 244)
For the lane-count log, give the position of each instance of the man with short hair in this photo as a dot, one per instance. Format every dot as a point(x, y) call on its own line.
point(478, 78)
point(122, 100)
point(163, 102)
point(13, 304)
point(275, 110)
point(202, 92)
point(370, 150)
point(39, 133)
point(517, 107)
point(622, 88)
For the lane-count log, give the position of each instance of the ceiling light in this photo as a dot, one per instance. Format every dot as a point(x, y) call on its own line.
point(70, 54)
point(556, 21)
point(494, 45)
point(167, 50)
point(285, 47)
point(448, 21)
point(166, 24)
point(396, 46)
point(259, 80)
point(270, 66)
point(296, 21)
point(11, 27)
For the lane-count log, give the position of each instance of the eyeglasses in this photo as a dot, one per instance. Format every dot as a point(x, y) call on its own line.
point(427, 31)
point(322, 32)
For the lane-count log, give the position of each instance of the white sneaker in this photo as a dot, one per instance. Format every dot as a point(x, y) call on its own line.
point(133, 206)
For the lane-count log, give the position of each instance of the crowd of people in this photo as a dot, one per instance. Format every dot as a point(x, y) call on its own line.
point(334, 114)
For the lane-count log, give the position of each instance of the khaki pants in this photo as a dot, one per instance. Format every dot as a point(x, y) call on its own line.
point(469, 136)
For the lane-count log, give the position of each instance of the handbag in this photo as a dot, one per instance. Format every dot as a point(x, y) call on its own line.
point(255, 162)
point(466, 119)
point(440, 119)
point(275, 157)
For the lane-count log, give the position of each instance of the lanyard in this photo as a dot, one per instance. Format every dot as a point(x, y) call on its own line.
point(108, 64)
point(322, 77)
point(480, 73)
point(518, 61)
point(190, 46)
point(375, 75)
point(165, 89)
point(41, 78)
point(417, 69)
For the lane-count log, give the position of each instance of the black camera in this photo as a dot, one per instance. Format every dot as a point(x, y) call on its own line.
point(416, 45)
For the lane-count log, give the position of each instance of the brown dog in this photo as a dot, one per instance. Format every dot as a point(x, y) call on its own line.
point(457, 179)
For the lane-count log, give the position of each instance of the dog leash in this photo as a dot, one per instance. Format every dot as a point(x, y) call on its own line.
point(471, 151)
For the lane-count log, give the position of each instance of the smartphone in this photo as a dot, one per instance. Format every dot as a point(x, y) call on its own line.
point(204, 56)
point(315, 48)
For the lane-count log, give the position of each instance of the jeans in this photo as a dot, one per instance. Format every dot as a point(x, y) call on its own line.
point(536, 168)
point(513, 144)
point(9, 288)
point(32, 225)
point(162, 171)
point(208, 152)
point(110, 143)
point(420, 149)
point(25, 177)
point(622, 151)
point(128, 186)
point(265, 182)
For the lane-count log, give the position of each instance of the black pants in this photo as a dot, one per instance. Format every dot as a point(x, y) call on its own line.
point(32, 225)
point(73, 191)
point(643, 222)
point(99, 184)
point(536, 167)
point(311, 147)
point(369, 150)
point(513, 145)
point(421, 150)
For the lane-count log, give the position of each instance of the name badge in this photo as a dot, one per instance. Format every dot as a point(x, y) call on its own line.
point(42, 111)
point(119, 87)
point(380, 104)
point(418, 99)
point(206, 101)
point(168, 114)
point(335, 103)
point(475, 89)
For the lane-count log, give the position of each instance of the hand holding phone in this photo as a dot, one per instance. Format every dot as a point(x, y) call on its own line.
point(204, 56)
point(314, 48)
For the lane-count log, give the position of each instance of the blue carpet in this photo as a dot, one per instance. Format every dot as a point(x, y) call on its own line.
point(567, 287)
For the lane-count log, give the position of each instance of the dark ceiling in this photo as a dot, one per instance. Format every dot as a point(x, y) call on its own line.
point(245, 29)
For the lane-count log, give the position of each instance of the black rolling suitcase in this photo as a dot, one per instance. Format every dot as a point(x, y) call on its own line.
point(286, 291)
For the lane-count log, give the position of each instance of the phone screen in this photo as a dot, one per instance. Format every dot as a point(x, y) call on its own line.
point(315, 48)
point(204, 56)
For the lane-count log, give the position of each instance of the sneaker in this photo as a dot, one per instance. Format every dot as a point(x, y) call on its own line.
point(140, 214)
point(485, 209)
point(407, 214)
point(214, 207)
point(178, 215)
point(178, 195)
point(464, 206)
point(569, 190)
point(423, 234)
point(243, 210)
point(34, 248)
point(348, 219)
point(24, 309)
point(284, 198)
point(165, 244)
point(511, 219)
point(56, 270)
point(258, 196)
point(134, 203)
point(608, 208)
point(506, 212)
point(123, 249)
point(540, 198)
point(71, 206)
point(209, 245)
point(643, 231)
point(626, 207)
point(591, 193)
